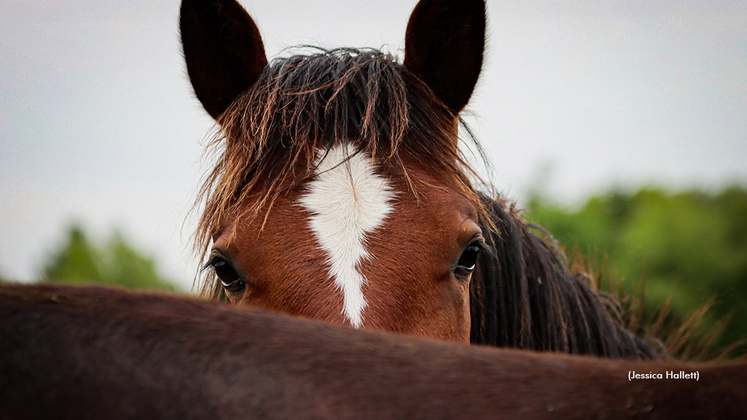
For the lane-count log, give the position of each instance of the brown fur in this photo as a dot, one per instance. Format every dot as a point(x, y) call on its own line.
point(415, 293)
point(91, 353)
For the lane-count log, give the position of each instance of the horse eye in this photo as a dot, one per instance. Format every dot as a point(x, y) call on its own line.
point(228, 276)
point(468, 261)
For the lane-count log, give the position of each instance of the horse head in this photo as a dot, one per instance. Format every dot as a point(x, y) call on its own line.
point(339, 192)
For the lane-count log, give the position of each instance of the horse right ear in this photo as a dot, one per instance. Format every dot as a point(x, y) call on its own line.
point(223, 50)
point(444, 47)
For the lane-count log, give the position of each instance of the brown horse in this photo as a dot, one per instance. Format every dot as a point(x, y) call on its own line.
point(340, 193)
point(93, 353)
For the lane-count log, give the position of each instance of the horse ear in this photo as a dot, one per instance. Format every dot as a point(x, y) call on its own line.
point(223, 50)
point(444, 47)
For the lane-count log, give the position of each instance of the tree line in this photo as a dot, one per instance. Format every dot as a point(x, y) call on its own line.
point(115, 263)
point(687, 249)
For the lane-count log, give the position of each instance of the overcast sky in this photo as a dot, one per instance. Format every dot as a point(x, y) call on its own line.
point(98, 123)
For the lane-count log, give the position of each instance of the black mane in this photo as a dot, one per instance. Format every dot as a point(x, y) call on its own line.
point(525, 297)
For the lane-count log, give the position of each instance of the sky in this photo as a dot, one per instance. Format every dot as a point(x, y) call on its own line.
point(98, 123)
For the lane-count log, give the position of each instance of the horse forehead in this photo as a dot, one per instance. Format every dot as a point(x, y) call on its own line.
point(435, 200)
point(350, 196)
point(347, 187)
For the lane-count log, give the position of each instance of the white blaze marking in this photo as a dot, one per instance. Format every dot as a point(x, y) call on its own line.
point(347, 201)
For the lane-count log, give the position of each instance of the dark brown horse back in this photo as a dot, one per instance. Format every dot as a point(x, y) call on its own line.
point(98, 353)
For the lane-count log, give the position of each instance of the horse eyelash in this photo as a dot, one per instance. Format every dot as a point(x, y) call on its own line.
point(214, 257)
point(480, 243)
point(208, 264)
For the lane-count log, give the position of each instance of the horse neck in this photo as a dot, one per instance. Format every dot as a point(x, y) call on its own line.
point(525, 297)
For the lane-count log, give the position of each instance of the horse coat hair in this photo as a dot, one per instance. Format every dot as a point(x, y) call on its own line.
point(92, 352)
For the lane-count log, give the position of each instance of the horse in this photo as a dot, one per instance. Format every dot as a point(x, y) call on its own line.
point(94, 352)
point(339, 192)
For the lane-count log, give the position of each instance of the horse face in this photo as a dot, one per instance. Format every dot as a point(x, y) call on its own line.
point(355, 241)
point(354, 246)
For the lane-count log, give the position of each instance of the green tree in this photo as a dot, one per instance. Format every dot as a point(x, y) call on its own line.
point(693, 243)
point(127, 267)
point(76, 261)
point(117, 263)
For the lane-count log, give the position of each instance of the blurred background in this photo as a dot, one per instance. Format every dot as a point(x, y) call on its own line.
point(620, 126)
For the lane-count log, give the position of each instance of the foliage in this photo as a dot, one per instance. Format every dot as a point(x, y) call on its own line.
point(691, 246)
point(116, 263)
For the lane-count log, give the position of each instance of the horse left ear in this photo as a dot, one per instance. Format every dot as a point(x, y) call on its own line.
point(444, 47)
point(223, 50)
